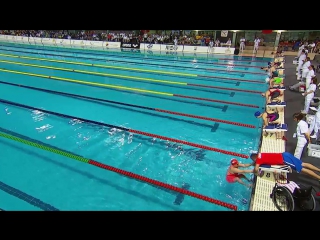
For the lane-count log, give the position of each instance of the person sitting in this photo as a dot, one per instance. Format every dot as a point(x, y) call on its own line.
point(234, 174)
point(271, 117)
point(272, 95)
point(284, 158)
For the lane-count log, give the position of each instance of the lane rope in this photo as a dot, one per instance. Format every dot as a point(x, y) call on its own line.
point(127, 88)
point(246, 72)
point(128, 130)
point(132, 105)
point(129, 77)
point(94, 52)
point(98, 65)
point(121, 172)
point(145, 70)
point(142, 61)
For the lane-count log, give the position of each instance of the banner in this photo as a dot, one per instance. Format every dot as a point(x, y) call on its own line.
point(130, 45)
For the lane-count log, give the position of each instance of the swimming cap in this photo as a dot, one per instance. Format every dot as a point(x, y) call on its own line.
point(234, 162)
point(267, 80)
point(257, 114)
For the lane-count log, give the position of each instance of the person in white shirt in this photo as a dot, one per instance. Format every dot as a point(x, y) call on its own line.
point(242, 44)
point(300, 50)
point(210, 47)
point(308, 78)
point(316, 122)
point(256, 44)
point(302, 59)
point(302, 134)
point(228, 43)
point(310, 74)
point(175, 41)
point(309, 94)
point(145, 36)
point(305, 68)
point(312, 46)
point(216, 43)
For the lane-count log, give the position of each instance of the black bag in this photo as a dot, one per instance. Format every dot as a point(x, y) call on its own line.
point(303, 197)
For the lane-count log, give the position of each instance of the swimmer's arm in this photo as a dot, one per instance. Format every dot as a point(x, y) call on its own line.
point(256, 169)
point(236, 170)
point(245, 165)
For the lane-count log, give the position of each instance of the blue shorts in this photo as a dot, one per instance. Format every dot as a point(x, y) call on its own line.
point(292, 161)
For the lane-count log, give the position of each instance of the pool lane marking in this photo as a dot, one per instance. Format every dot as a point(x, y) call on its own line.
point(102, 66)
point(120, 171)
point(130, 69)
point(136, 69)
point(130, 77)
point(128, 130)
point(127, 88)
point(94, 52)
point(132, 105)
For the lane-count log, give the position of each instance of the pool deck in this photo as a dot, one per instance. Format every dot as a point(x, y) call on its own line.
point(295, 104)
point(261, 200)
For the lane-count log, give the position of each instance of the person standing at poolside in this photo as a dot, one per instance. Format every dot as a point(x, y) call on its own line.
point(302, 134)
point(309, 94)
point(242, 44)
point(256, 45)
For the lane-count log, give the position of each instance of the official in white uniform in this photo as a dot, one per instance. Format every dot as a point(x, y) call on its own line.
point(217, 43)
point(242, 44)
point(309, 94)
point(302, 134)
point(305, 68)
point(210, 47)
point(316, 123)
point(175, 41)
point(310, 75)
point(256, 44)
point(302, 59)
point(300, 50)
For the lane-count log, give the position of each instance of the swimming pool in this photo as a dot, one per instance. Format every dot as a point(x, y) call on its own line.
point(137, 91)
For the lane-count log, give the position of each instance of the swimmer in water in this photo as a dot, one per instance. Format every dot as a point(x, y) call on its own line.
point(234, 174)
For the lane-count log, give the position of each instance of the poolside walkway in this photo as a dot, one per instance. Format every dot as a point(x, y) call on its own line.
point(295, 103)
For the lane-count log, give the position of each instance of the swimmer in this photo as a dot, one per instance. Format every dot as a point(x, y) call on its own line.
point(234, 174)
point(271, 117)
point(112, 131)
point(272, 95)
point(130, 138)
point(273, 65)
point(278, 82)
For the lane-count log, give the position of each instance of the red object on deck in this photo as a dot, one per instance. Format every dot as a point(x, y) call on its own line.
point(267, 31)
point(284, 138)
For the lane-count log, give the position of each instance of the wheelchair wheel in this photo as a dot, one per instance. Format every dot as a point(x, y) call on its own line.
point(282, 199)
point(309, 205)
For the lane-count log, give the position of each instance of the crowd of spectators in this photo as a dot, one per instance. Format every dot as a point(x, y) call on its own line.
point(114, 36)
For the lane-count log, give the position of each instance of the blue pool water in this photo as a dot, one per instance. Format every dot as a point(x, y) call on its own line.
point(67, 184)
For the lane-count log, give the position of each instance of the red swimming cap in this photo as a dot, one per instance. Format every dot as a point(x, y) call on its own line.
point(234, 162)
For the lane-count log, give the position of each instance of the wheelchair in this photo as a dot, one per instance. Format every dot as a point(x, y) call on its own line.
point(288, 195)
point(301, 199)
